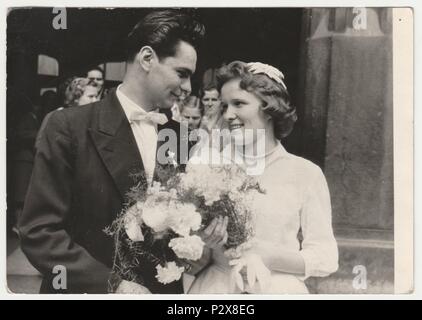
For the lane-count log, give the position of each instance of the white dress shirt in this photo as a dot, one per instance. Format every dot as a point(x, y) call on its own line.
point(145, 133)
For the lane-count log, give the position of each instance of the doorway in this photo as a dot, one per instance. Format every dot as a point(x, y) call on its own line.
point(269, 35)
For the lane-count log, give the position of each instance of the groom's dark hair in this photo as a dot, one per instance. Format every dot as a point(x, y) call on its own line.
point(163, 30)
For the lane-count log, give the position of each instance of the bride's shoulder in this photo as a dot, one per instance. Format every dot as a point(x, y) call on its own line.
point(304, 166)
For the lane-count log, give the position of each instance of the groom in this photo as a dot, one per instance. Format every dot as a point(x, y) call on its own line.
point(86, 156)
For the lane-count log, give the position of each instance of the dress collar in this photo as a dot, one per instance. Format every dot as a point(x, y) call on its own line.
point(276, 152)
point(259, 162)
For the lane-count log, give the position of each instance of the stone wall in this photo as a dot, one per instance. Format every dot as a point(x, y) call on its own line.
point(348, 130)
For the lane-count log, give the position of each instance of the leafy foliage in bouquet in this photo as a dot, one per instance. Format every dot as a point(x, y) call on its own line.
point(224, 190)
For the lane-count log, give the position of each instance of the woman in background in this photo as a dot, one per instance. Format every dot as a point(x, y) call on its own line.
point(79, 92)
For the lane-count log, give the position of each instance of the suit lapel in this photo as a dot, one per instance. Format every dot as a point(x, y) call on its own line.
point(116, 145)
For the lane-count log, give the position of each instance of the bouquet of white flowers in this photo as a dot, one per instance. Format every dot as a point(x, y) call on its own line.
point(173, 212)
point(224, 190)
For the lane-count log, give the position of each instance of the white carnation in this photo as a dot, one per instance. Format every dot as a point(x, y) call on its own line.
point(205, 181)
point(190, 247)
point(171, 272)
point(155, 216)
point(184, 219)
point(155, 188)
point(210, 197)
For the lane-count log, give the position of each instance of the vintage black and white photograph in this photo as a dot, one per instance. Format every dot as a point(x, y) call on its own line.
point(201, 151)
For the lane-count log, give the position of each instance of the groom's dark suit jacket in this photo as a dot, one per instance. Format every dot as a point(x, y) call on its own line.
point(81, 174)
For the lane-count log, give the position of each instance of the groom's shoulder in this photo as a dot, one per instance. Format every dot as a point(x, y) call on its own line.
point(79, 116)
point(83, 112)
point(70, 123)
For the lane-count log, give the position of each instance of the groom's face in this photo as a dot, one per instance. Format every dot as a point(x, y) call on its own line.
point(170, 76)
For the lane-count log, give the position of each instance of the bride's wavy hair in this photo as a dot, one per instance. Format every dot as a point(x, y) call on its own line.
point(275, 98)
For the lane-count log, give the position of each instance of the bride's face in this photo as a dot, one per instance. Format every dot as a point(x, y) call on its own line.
point(242, 111)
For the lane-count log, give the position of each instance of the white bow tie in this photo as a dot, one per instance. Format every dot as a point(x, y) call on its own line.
point(154, 117)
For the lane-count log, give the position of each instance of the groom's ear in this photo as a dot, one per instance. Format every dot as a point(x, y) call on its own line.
point(146, 57)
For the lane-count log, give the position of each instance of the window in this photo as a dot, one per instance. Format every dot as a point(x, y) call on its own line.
point(47, 66)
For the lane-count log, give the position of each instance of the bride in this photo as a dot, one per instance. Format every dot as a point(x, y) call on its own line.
point(296, 196)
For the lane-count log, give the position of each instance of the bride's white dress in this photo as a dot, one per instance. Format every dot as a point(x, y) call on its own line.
point(296, 197)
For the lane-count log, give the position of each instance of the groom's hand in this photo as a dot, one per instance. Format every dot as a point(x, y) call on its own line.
point(215, 235)
point(129, 287)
